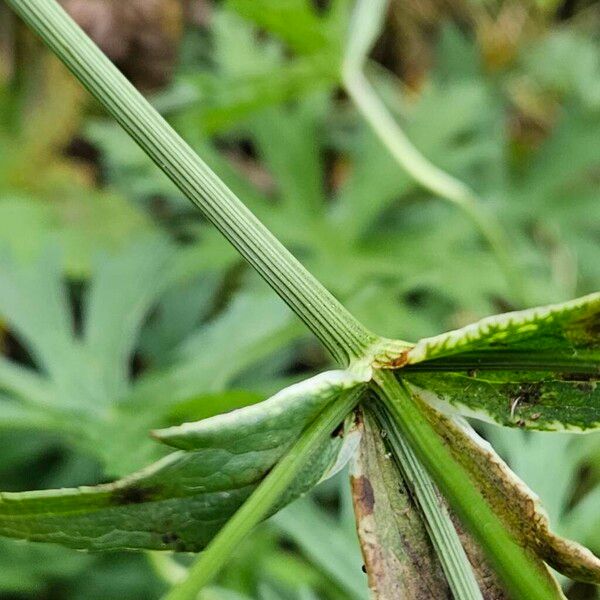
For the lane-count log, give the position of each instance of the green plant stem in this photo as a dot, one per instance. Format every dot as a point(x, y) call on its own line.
point(336, 328)
point(339, 331)
point(442, 532)
point(512, 563)
point(367, 21)
point(263, 499)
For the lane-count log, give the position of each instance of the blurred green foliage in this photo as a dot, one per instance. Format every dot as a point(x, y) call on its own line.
point(117, 300)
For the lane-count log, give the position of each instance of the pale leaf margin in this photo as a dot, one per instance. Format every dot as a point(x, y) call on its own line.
point(534, 369)
point(577, 322)
point(515, 504)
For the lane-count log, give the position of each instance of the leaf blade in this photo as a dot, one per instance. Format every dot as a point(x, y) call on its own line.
point(399, 557)
point(536, 369)
point(574, 324)
point(180, 502)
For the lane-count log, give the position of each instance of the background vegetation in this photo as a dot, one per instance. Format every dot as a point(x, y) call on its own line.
point(100, 256)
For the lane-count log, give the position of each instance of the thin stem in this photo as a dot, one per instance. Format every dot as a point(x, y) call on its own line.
point(338, 330)
point(515, 567)
point(368, 17)
point(442, 532)
point(263, 499)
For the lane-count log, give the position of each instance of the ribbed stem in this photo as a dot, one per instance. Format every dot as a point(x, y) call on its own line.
point(338, 330)
point(262, 500)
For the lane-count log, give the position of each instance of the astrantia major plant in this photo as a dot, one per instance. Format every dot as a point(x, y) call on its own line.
point(535, 369)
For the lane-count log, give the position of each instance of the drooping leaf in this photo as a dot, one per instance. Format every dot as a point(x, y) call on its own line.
point(180, 502)
point(399, 557)
point(536, 368)
point(489, 583)
point(514, 503)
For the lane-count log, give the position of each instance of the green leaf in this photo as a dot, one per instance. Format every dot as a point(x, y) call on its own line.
point(298, 23)
point(250, 74)
point(514, 399)
point(80, 383)
point(85, 221)
point(180, 502)
point(536, 368)
point(269, 424)
point(567, 329)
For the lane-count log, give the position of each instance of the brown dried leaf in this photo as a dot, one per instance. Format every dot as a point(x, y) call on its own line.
point(517, 506)
point(399, 558)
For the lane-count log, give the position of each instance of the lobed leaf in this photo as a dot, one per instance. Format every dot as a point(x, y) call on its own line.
point(180, 502)
point(80, 381)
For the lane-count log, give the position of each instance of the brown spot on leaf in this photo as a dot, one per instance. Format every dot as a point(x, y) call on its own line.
point(592, 326)
point(585, 386)
point(363, 493)
point(338, 431)
point(134, 495)
point(169, 538)
point(530, 392)
point(181, 546)
point(578, 377)
point(392, 361)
